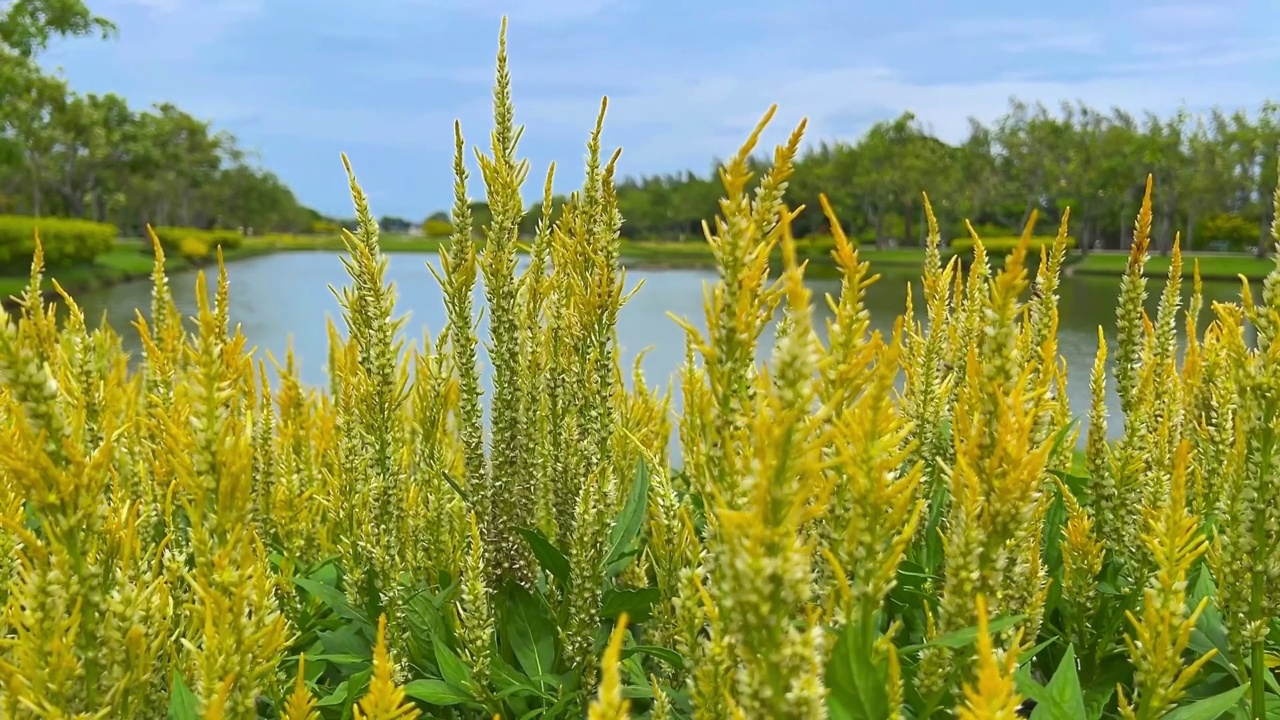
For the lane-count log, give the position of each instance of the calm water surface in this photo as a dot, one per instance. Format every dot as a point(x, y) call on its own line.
point(286, 297)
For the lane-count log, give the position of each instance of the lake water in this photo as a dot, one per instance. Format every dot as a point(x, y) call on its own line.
point(286, 296)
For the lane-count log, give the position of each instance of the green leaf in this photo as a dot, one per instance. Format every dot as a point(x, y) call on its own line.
point(1210, 632)
point(462, 493)
point(967, 636)
point(1027, 686)
point(637, 692)
point(346, 640)
point(666, 655)
point(857, 681)
point(1062, 699)
point(627, 526)
point(436, 692)
point(1060, 437)
point(335, 658)
point(455, 671)
point(636, 603)
point(337, 697)
point(333, 598)
point(182, 702)
point(508, 680)
point(939, 499)
point(422, 617)
point(1029, 654)
point(1210, 708)
point(325, 572)
point(1077, 484)
point(1055, 519)
point(549, 556)
point(616, 567)
point(357, 686)
point(529, 633)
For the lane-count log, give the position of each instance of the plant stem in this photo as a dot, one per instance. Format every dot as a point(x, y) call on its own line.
point(1257, 683)
point(1257, 660)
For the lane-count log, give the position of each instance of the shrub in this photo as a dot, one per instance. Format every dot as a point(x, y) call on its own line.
point(193, 249)
point(325, 227)
point(865, 525)
point(65, 241)
point(1006, 244)
point(171, 237)
point(984, 230)
point(437, 228)
point(1234, 231)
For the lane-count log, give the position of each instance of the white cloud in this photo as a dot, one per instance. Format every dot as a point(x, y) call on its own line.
point(175, 30)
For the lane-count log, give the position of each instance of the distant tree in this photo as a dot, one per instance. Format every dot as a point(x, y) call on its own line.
point(92, 156)
point(391, 224)
point(1031, 158)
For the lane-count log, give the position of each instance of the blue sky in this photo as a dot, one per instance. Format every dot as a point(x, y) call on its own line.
point(302, 80)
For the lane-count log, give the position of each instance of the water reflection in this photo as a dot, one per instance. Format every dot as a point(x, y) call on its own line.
point(286, 297)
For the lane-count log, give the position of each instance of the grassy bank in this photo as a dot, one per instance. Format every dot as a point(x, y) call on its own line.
point(1213, 266)
point(128, 260)
point(125, 262)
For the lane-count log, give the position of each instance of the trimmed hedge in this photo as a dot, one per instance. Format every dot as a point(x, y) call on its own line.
point(193, 249)
point(1007, 244)
point(173, 238)
point(437, 228)
point(66, 241)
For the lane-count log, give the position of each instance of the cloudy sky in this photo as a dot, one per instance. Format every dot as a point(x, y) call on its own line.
point(302, 80)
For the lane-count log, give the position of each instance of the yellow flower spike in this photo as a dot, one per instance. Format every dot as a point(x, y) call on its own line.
point(992, 695)
point(844, 252)
point(1142, 226)
point(1000, 450)
point(217, 707)
point(474, 622)
point(1158, 640)
point(1130, 313)
point(609, 703)
point(662, 709)
point(1082, 556)
point(300, 705)
point(384, 700)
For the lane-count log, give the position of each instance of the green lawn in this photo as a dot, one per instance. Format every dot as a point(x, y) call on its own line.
point(122, 263)
point(1213, 266)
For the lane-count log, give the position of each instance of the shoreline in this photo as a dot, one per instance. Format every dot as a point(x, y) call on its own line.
point(126, 263)
point(121, 265)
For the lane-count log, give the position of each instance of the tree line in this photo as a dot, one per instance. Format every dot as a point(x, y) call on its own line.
point(63, 153)
point(1214, 175)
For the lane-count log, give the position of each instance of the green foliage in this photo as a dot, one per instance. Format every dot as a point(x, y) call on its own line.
point(66, 242)
point(392, 224)
point(172, 238)
point(1030, 158)
point(437, 228)
point(1228, 229)
point(93, 156)
point(325, 227)
point(193, 248)
point(27, 26)
point(1003, 245)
